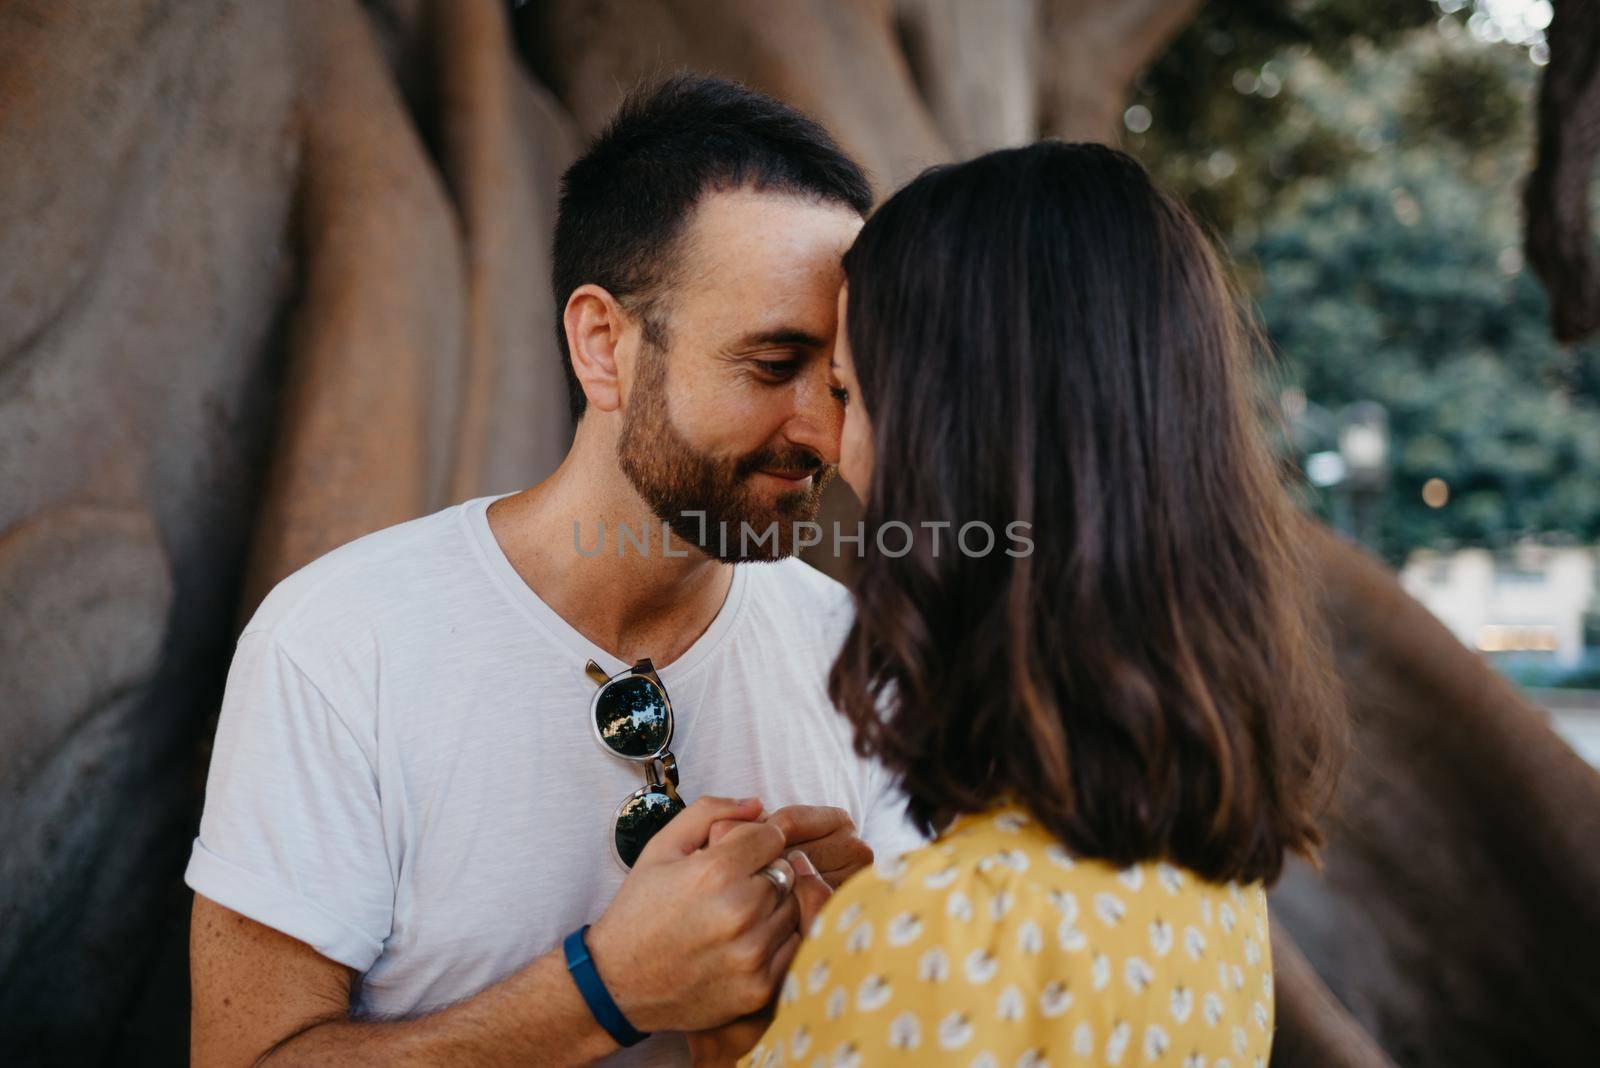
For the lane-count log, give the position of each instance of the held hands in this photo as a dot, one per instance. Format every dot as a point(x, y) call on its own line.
point(721, 1047)
point(699, 936)
point(826, 835)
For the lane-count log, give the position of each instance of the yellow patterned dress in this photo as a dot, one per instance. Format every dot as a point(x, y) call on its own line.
point(993, 947)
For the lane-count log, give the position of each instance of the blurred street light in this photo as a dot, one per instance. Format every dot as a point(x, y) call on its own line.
point(1325, 469)
point(1364, 448)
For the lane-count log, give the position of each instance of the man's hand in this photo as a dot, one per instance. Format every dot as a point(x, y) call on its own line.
point(696, 935)
point(723, 1046)
point(826, 835)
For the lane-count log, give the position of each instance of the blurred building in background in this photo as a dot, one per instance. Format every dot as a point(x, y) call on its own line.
point(1534, 612)
point(1531, 603)
point(276, 275)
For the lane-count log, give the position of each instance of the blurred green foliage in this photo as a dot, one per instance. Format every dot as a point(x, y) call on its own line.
point(1218, 97)
point(1468, 99)
point(1363, 161)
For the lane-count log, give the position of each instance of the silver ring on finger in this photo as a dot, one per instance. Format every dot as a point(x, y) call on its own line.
point(779, 878)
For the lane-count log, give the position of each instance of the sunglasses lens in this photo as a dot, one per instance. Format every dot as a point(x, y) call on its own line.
point(640, 817)
point(632, 716)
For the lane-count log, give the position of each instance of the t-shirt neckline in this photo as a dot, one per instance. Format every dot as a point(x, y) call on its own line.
point(475, 516)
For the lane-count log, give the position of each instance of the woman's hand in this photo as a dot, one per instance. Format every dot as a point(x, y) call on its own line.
point(827, 834)
point(721, 1047)
point(829, 838)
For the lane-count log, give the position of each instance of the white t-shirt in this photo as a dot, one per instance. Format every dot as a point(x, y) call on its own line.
point(404, 776)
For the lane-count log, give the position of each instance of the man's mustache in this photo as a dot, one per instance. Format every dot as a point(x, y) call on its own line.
point(795, 461)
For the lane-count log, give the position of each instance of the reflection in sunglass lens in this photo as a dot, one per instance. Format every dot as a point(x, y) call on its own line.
point(642, 815)
point(632, 717)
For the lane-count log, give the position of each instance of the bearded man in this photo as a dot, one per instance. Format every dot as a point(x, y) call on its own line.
point(446, 814)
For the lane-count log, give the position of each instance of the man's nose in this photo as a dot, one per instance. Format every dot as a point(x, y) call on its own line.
point(818, 419)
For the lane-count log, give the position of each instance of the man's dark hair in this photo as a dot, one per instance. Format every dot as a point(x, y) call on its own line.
point(625, 201)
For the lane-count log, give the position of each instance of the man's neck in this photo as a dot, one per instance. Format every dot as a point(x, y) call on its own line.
point(633, 604)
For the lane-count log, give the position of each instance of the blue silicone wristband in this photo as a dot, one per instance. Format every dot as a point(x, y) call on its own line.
point(595, 995)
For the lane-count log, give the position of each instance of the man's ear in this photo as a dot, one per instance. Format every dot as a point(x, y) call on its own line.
point(594, 322)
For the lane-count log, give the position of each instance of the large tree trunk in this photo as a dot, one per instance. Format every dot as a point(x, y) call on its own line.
point(1560, 235)
point(1313, 1030)
point(1094, 51)
point(245, 316)
point(149, 167)
point(1459, 912)
point(837, 59)
point(273, 275)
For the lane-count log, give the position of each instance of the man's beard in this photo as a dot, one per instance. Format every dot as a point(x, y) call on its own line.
point(676, 479)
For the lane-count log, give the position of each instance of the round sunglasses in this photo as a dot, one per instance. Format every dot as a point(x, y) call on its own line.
point(632, 718)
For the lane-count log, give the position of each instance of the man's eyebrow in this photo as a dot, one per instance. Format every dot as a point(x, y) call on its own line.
point(789, 336)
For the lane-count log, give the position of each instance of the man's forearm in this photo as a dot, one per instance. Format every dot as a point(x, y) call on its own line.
point(535, 1016)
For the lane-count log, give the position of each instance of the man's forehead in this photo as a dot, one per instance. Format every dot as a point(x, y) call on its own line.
point(781, 251)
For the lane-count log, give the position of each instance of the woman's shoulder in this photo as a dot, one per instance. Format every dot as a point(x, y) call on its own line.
point(994, 935)
point(1007, 846)
point(1003, 867)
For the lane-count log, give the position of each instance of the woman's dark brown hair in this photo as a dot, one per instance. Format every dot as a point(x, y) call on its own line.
point(1040, 335)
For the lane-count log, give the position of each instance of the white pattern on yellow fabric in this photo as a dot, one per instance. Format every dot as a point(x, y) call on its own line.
point(995, 946)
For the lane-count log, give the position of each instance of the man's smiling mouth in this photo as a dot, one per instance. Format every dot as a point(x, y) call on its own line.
point(790, 476)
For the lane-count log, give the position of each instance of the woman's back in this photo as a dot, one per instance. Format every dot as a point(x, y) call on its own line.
point(993, 946)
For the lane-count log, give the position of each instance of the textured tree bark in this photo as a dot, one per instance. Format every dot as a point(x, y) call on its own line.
point(1313, 1030)
point(976, 68)
point(149, 159)
point(369, 415)
point(502, 143)
point(225, 249)
point(443, 324)
point(275, 275)
point(1559, 238)
point(839, 60)
point(1094, 51)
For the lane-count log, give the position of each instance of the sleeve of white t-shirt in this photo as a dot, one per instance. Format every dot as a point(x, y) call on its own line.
point(292, 832)
point(887, 827)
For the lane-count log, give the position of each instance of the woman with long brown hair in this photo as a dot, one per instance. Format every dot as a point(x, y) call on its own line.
point(1118, 724)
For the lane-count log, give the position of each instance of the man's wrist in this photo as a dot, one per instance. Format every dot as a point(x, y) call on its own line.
point(595, 991)
point(614, 961)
